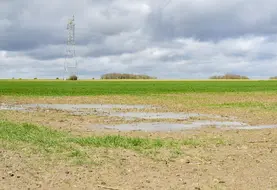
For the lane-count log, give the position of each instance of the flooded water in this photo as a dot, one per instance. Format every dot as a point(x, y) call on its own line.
point(257, 127)
point(148, 127)
point(107, 110)
point(9, 107)
point(72, 107)
point(166, 127)
point(165, 115)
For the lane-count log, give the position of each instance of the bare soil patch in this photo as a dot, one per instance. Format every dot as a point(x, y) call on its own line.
point(246, 161)
point(259, 108)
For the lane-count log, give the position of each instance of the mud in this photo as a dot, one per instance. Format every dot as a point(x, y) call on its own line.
point(73, 107)
point(246, 159)
point(11, 107)
point(167, 127)
point(108, 110)
point(166, 115)
point(257, 127)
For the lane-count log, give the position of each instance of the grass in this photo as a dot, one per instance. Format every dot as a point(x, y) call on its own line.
point(252, 105)
point(44, 140)
point(92, 88)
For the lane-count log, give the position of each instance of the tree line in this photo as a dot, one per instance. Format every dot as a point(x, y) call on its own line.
point(125, 76)
point(229, 76)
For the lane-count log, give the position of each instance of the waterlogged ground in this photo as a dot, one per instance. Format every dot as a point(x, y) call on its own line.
point(130, 120)
point(185, 141)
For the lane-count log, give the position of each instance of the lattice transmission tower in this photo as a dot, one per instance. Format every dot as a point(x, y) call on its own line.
point(70, 63)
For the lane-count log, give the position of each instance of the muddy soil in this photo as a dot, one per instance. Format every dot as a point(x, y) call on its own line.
point(130, 120)
point(247, 161)
point(253, 108)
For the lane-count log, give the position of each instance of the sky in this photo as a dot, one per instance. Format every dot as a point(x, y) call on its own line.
point(168, 39)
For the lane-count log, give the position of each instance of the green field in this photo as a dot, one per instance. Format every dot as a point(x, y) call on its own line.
point(84, 88)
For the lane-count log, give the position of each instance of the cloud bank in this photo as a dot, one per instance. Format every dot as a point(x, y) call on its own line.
point(167, 39)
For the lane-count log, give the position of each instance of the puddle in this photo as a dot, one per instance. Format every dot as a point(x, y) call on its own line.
point(147, 127)
point(12, 108)
point(166, 115)
point(106, 110)
point(72, 107)
point(76, 108)
point(167, 127)
point(257, 127)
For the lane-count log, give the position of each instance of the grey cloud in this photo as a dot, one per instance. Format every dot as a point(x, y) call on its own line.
point(37, 23)
point(167, 39)
point(47, 53)
point(213, 20)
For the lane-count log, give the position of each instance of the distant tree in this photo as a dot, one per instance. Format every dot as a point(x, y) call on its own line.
point(125, 76)
point(35, 78)
point(73, 77)
point(57, 78)
point(229, 76)
point(273, 78)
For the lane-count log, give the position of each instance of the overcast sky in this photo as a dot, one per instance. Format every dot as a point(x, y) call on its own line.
point(162, 38)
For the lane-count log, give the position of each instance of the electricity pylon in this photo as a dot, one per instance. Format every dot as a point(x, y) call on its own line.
point(70, 64)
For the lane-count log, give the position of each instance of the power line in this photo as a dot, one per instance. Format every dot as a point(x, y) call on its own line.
point(70, 63)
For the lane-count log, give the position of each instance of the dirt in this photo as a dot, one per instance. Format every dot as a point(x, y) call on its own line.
point(188, 103)
point(247, 161)
point(127, 120)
